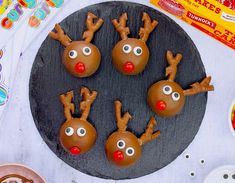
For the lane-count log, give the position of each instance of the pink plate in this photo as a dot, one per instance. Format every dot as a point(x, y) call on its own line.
point(21, 170)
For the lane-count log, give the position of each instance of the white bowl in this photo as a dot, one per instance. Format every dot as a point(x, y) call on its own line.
point(216, 175)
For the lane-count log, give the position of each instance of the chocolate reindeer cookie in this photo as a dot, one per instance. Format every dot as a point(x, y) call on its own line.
point(77, 135)
point(80, 58)
point(166, 98)
point(122, 147)
point(130, 55)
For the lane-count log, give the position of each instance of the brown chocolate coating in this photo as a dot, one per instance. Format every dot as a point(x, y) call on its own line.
point(166, 98)
point(130, 141)
point(122, 147)
point(77, 135)
point(156, 94)
point(130, 55)
point(122, 58)
point(81, 63)
point(80, 58)
point(81, 141)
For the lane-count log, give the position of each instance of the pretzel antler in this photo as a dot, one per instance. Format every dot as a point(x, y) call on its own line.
point(148, 27)
point(66, 100)
point(149, 135)
point(121, 120)
point(91, 27)
point(173, 62)
point(120, 26)
point(60, 36)
point(88, 99)
point(197, 87)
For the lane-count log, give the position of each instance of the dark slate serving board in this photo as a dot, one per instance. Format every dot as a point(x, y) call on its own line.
point(49, 79)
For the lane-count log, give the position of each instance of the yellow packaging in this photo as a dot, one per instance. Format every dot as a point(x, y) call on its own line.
point(4, 4)
point(208, 16)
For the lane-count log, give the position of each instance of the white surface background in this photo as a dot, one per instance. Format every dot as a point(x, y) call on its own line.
point(20, 141)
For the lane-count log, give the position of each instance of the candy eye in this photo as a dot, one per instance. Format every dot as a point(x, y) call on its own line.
point(73, 54)
point(192, 174)
point(86, 51)
point(167, 90)
point(126, 48)
point(121, 144)
point(130, 151)
point(81, 132)
point(175, 96)
point(69, 131)
point(138, 51)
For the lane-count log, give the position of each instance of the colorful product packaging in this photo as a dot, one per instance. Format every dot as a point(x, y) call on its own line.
point(17, 31)
point(42, 16)
point(43, 10)
point(20, 11)
point(208, 16)
point(14, 16)
point(233, 117)
point(229, 3)
point(4, 5)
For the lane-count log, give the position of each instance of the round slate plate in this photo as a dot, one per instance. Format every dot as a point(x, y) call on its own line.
point(49, 79)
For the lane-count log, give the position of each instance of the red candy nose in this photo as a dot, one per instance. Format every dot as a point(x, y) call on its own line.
point(118, 156)
point(79, 68)
point(75, 151)
point(128, 67)
point(160, 105)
